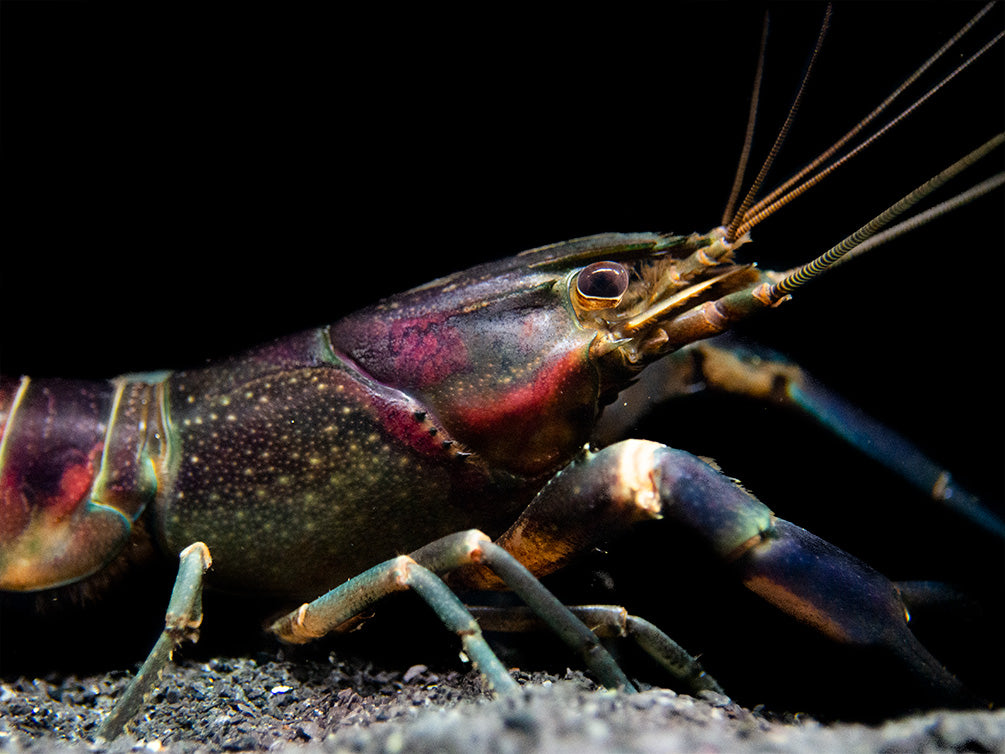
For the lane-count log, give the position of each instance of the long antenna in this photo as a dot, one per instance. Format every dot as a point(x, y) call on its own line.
point(748, 136)
point(731, 233)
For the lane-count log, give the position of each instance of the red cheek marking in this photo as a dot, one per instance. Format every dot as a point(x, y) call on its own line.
point(530, 404)
point(531, 428)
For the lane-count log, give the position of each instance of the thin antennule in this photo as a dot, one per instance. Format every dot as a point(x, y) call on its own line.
point(802, 275)
point(777, 199)
point(748, 136)
point(731, 232)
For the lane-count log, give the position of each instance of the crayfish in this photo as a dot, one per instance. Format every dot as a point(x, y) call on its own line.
point(464, 436)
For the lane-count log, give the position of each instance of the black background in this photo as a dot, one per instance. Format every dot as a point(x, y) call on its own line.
point(184, 180)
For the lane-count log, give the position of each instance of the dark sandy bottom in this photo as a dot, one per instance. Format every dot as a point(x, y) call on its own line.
point(335, 704)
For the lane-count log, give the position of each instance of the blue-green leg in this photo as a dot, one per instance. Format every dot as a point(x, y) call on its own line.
point(472, 548)
point(181, 622)
point(340, 607)
point(344, 603)
point(612, 622)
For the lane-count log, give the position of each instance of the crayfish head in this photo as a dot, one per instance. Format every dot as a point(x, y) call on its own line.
point(513, 357)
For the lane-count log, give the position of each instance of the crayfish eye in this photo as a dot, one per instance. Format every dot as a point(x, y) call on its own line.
point(601, 285)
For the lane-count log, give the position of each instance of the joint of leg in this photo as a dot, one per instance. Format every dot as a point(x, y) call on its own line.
point(401, 571)
point(607, 621)
point(471, 630)
point(618, 621)
point(181, 624)
point(451, 551)
point(294, 629)
point(472, 546)
point(748, 545)
point(202, 550)
point(180, 634)
point(941, 486)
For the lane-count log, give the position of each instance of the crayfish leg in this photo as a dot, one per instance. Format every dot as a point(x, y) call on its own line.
point(611, 622)
point(181, 622)
point(344, 604)
point(341, 606)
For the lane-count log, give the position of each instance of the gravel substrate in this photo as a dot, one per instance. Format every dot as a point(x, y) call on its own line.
point(335, 705)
